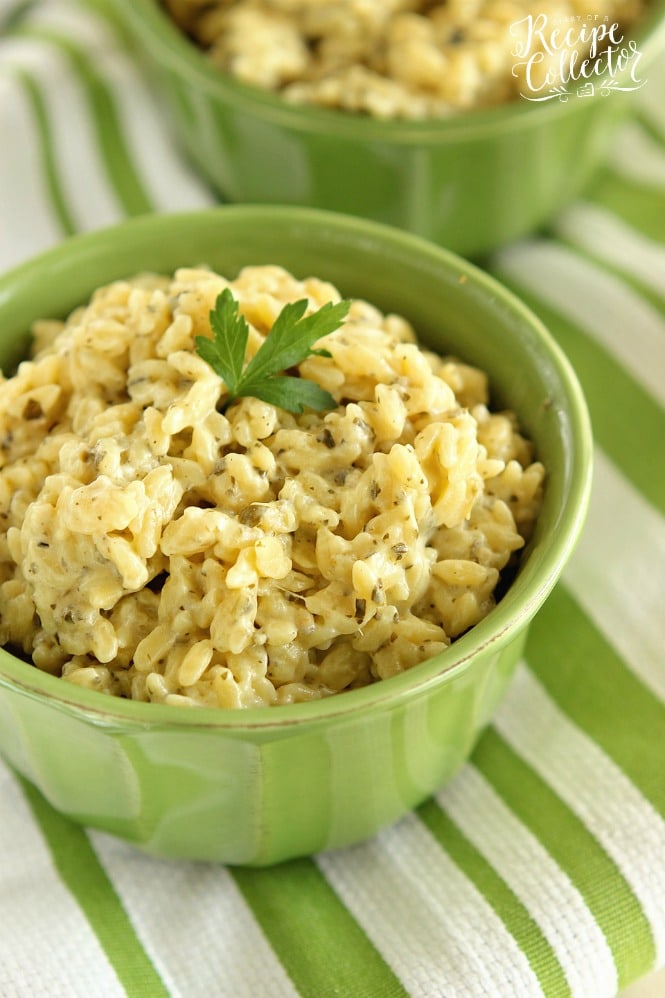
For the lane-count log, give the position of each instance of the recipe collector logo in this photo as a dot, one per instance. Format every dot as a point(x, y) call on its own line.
point(586, 51)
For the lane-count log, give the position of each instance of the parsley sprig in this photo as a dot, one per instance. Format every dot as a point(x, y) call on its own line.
point(289, 341)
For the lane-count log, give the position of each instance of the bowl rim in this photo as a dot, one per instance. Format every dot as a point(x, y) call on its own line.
point(169, 45)
point(504, 621)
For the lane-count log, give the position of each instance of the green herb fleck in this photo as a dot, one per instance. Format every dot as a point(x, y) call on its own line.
point(289, 341)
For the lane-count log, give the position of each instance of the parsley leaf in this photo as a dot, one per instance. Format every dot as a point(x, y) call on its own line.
point(226, 351)
point(289, 341)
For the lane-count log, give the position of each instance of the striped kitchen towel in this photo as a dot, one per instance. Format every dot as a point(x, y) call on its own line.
point(540, 870)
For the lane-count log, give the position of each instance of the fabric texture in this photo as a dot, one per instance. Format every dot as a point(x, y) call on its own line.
point(540, 870)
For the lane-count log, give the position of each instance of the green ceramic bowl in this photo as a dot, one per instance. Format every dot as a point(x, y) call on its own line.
point(260, 785)
point(470, 183)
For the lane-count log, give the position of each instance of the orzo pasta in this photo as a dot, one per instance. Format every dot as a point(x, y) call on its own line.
point(386, 58)
point(156, 546)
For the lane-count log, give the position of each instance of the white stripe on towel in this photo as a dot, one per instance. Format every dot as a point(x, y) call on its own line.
point(413, 901)
point(613, 810)
point(606, 236)
point(544, 889)
point(88, 193)
point(182, 910)
point(28, 223)
point(615, 315)
point(629, 613)
point(58, 955)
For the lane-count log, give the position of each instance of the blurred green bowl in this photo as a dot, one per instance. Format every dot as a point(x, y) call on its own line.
point(470, 183)
point(259, 785)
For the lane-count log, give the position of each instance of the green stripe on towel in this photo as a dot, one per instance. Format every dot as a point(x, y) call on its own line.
point(597, 878)
point(83, 874)
point(623, 430)
point(610, 704)
point(514, 915)
point(319, 943)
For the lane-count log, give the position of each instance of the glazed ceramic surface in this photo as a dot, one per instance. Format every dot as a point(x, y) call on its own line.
point(260, 785)
point(470, 183)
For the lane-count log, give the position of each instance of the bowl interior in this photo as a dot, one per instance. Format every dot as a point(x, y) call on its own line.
point(455, 308)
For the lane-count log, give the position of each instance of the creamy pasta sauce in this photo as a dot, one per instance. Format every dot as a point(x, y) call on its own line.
point(157, 548)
